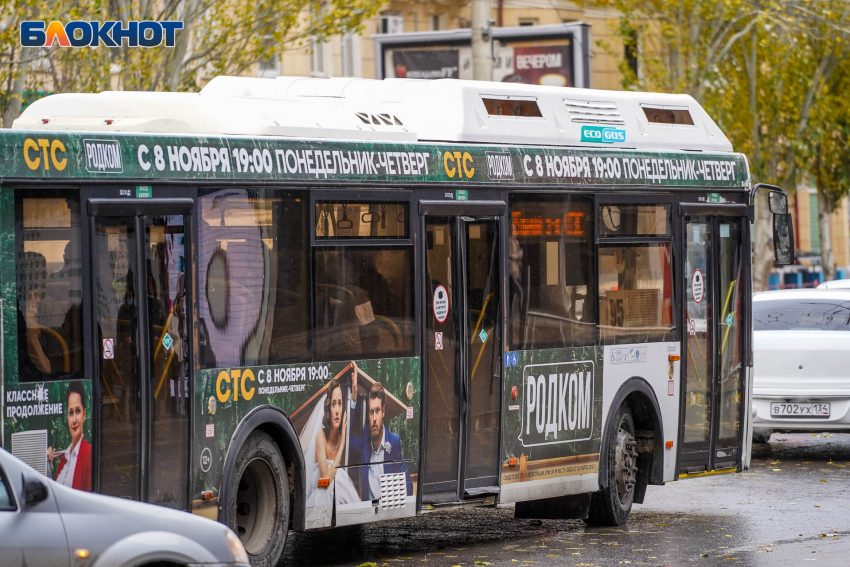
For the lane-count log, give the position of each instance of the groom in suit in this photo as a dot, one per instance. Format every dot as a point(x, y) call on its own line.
point(377, 446)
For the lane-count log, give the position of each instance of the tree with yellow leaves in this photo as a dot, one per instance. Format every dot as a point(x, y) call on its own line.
point(764, 70)
point(218, 37)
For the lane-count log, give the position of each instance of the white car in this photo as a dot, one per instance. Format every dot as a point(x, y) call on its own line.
point(835, 284)
point(802, 361)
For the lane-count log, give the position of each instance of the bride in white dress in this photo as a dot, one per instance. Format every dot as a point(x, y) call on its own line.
point(323, 444)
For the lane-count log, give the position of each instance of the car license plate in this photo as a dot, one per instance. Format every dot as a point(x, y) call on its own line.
point(799, 409)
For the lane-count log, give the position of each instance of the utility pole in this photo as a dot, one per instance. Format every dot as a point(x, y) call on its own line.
point(482, 41)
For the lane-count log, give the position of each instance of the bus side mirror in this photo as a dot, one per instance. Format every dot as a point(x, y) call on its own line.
point(778, 202)
point(783, 238)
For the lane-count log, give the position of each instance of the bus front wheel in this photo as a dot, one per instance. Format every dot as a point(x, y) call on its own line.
point(258, 499)
point(611, 505)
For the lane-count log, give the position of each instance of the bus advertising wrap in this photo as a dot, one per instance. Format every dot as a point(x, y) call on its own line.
point(48, 426)
point(357, 422)
point(553, 426)
point(63, 156)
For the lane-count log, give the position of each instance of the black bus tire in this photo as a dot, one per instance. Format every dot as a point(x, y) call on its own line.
point(258, 500)
point(612, 505)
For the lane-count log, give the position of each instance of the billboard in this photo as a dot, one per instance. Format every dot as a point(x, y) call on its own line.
point(542, 62)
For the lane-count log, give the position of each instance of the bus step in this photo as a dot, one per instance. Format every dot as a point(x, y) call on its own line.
point(480, 490)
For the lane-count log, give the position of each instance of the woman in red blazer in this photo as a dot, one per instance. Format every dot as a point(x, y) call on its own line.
point(75, 462)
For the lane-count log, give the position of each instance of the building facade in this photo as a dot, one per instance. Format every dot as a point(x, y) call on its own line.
point(354, 54)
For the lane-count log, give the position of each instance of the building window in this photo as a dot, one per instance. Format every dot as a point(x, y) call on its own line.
point(630, 49)
point(270, 66)
point(392, 24)
point(435, 22)
point(528, 21)
point(48, 271)
point(551, 272)
point(814, 226)
point(350, 47)
point(318, 65)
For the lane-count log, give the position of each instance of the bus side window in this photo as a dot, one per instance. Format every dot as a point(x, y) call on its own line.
point(550, 258)
point(636, 293)
point(49, 286)
point(253, 271)
point(364, 302)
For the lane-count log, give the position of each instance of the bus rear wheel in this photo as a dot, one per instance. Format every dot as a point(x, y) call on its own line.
point(258, 500)
point(612, 505)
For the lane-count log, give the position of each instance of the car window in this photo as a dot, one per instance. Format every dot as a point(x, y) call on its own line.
point(6, 500)
point(801, 315)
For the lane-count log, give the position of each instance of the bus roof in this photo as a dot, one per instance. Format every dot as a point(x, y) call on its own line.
point(393, 110)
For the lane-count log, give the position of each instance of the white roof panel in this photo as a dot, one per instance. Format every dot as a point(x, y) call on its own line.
point(446, 110)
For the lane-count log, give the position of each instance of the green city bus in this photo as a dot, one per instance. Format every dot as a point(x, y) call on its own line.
point(297, 304)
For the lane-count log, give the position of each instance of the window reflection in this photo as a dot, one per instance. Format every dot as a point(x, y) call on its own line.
point(254, 298)
point(550, 264)
point(49, 283)
point(636, 293)
point(364, 302)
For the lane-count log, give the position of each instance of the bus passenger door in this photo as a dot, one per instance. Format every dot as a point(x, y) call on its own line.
point(713, 355)
point(140, 288)
point(463, 342)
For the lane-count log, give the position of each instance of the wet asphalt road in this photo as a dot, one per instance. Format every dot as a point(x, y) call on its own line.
point(792, 508)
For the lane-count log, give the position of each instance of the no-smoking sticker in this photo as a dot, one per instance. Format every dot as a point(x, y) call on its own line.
point(697, 286)
point(108, 349)
point(441, 304)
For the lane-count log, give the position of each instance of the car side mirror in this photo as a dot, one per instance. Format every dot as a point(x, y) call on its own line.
point(778, 202)
point(35, 490)
point(783, 239)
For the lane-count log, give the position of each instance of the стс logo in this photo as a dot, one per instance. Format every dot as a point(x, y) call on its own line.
point(93, 34)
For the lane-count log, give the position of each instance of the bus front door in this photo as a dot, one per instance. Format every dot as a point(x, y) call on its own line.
point(140, 290)
point(713, 357)
point(463, 351)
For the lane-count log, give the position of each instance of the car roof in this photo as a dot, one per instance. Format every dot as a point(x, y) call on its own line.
point(835, 284)
point(801, 294)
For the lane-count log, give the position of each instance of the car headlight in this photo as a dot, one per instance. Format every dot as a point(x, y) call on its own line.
point(237, 550)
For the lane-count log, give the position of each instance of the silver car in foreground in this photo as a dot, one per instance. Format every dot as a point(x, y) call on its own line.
point(802, 361)
point(45, 524)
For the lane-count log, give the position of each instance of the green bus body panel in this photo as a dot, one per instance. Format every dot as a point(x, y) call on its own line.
point(554, 425)
point(293, 388)
point(50, 155)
